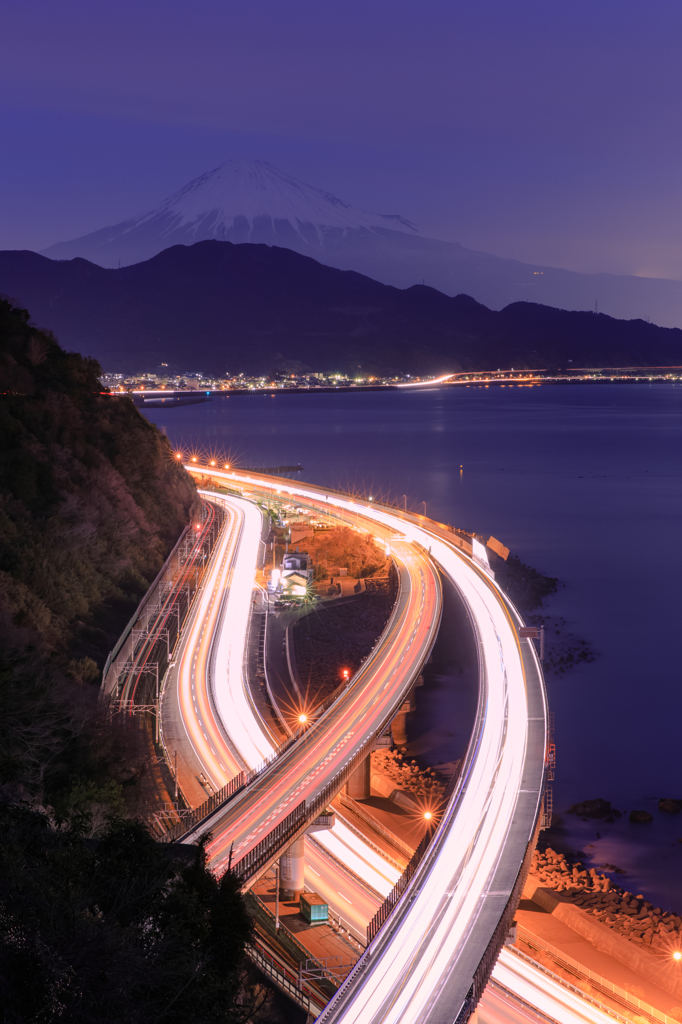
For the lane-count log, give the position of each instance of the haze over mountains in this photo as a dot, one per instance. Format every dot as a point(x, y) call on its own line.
point(219, 307)
point(253, 201)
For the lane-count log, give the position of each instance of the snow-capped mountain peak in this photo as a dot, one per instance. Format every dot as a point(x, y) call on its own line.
point(251, 189)
point(238, 201)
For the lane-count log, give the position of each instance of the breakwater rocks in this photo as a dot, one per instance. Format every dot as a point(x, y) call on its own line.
point(600, 809)
point(631, 916)
point(640, 817)
point(563, 650)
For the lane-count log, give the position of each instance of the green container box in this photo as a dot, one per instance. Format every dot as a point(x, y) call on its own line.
point(313, 908)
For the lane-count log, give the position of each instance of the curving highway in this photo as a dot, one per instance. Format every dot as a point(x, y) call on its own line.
point(357, 715)
point(430, 960)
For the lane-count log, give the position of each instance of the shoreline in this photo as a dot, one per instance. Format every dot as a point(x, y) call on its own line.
point(175, 399)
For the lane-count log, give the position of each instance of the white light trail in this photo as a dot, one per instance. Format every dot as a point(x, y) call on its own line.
point(365, 862)
point(536, 988)
point(232, 703)
point(405, 974)
point(426, 383)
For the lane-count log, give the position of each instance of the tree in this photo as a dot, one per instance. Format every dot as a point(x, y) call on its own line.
point(116, 929)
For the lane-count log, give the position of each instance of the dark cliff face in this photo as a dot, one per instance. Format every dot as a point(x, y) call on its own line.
point(219, 307)
point(91, 500)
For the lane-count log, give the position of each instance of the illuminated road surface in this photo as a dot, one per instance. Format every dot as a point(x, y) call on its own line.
point(224, 732)
point(528, 984)
point(206, 680)
point(519, 986)
point(421, 964)
point(359, 713)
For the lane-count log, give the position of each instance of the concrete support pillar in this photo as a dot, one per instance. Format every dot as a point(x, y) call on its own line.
point(292, 870)
point(358, 785)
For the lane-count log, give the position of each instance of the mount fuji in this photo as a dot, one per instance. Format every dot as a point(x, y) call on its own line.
point(251, 201)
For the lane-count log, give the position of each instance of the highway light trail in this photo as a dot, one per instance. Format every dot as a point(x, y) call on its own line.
point(445, 914)
point(214, 646)
point(351, 721)
point(221, 730)
point(232, 703)
point(536, 988)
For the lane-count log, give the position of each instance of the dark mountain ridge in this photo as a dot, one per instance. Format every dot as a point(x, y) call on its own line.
point(220, 307)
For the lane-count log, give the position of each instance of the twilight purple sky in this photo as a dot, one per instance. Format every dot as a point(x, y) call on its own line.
point(546, 130)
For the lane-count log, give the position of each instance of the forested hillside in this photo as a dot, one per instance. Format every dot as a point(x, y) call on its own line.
point(90, 503)
point(98, 922)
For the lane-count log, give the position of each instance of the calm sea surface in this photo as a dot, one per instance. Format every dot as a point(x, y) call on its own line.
point(583, 483)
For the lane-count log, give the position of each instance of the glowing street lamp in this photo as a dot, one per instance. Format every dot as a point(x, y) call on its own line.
point(302, 719)
point(428, 815)
point(677, 955)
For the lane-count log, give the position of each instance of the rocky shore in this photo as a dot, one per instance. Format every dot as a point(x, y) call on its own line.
point(631, 916)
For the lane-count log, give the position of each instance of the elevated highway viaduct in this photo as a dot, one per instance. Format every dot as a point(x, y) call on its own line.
point(432, 958)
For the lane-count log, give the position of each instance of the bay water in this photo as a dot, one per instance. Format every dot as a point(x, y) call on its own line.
point(582, 482)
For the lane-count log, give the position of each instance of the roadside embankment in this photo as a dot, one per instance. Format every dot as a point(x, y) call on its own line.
point(626, 927)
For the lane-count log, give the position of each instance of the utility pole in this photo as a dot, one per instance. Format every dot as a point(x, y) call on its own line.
point(277, 896)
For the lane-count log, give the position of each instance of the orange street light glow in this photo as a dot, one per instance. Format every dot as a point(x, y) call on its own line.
point(427, 815)
point(302, 718)
point(677, 955)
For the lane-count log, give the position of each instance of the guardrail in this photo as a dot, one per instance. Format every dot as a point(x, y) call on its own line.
point(224, 795)
point(563, 960)
point(399, 888)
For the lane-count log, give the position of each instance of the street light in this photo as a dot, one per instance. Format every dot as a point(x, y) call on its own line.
point(303, 719)
point(677, 955)
point(428, 815)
